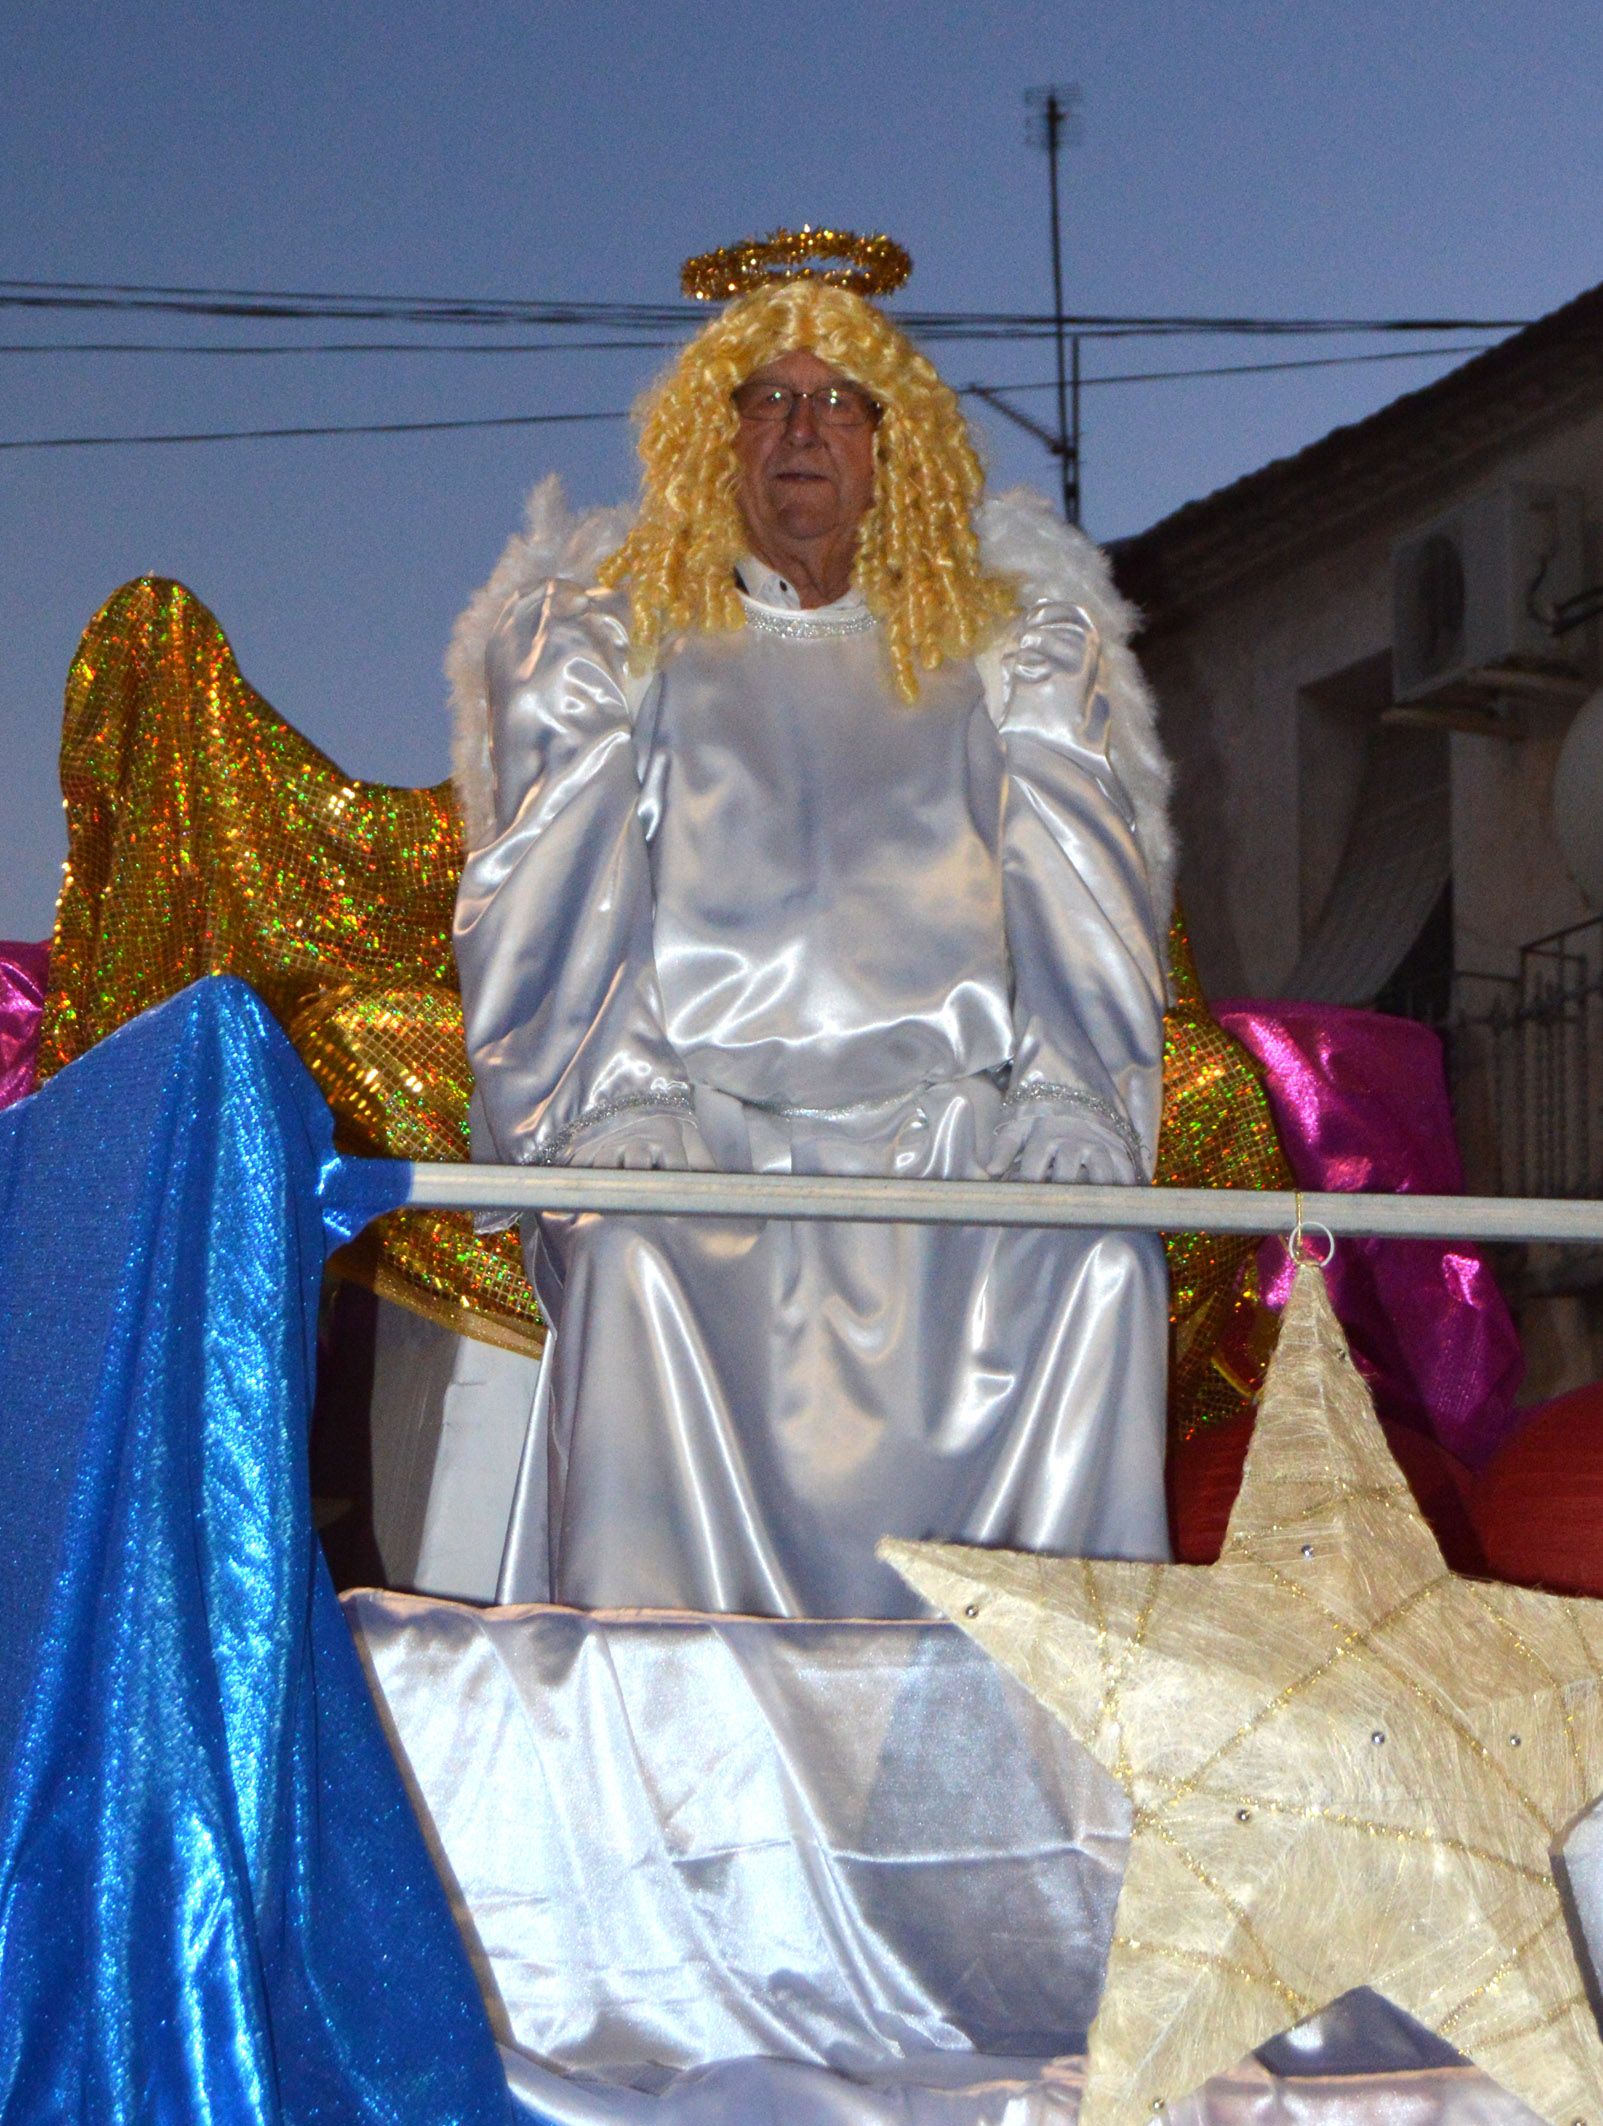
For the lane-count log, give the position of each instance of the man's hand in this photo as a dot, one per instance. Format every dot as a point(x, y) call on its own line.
point(1062, 1145)
point(650, 1141)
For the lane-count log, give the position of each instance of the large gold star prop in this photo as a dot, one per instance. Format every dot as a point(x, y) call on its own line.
point(1346, 1766)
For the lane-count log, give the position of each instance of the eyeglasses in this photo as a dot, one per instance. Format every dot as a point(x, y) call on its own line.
point(834, 405)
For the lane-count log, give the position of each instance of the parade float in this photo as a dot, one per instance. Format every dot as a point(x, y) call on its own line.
point(1296, 1825)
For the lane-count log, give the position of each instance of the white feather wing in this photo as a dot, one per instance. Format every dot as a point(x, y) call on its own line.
point(553, 542)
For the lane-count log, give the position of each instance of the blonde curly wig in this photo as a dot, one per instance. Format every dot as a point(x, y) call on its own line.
point(917, 562)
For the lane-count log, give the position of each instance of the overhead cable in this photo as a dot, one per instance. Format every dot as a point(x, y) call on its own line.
point(992, 393)
point(471, 347)
point(1314, 361)
point(189, 347)
point(933, 324)
point(271, 435)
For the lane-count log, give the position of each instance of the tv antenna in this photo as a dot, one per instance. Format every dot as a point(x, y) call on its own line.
point(1054, 120)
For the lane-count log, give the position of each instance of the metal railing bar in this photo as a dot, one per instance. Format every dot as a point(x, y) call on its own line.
point(440, 1186)
point(1555, 937)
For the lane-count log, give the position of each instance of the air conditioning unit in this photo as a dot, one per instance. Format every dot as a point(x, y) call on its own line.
point(1470, 591)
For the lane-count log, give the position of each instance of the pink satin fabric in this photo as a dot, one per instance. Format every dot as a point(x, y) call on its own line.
point(1360, 1100)
point(22, 996)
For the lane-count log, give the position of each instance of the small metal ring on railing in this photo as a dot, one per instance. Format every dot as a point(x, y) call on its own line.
point(1297, 1247)
point(1299, 1250)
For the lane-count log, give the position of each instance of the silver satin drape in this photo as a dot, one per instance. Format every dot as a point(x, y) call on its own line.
point(831, 1874)
point(760, 914)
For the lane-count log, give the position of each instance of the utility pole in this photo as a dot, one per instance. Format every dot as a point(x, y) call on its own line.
point(1054, 118)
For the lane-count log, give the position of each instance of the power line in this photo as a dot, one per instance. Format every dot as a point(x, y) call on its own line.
point(989, 392)
point(331, 347)
point(473, 347)
point(298, 306)
point(1316, 361)
point(268, 435)
point(295, 306)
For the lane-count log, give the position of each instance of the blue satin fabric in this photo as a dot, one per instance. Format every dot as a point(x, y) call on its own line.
point(215, 1902)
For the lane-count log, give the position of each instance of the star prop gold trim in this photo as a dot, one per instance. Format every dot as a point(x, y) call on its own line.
point(1346, 1766)
point(872, 265)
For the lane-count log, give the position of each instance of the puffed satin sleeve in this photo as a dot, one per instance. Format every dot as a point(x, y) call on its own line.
point(553, 933)
point(1088, 992)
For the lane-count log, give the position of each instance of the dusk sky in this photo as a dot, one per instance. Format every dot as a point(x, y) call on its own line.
point(1352, 158)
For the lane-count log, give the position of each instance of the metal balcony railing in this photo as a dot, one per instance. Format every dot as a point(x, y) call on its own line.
point(1525, 1058)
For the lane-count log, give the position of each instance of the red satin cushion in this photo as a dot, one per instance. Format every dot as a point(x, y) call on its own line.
point(1538, 1505)
point(1204, 1476)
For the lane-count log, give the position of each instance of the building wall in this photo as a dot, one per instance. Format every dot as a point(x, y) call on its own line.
point(1509, 881)
point(1268, 748)
point(1514, 886)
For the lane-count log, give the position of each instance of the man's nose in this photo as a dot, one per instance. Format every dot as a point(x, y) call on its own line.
point(801, 424)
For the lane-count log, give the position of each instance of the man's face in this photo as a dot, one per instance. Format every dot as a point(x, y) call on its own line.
point(802, 480)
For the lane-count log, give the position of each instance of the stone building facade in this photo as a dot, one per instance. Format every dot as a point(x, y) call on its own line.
point(1269, 642)
point(1354, 834)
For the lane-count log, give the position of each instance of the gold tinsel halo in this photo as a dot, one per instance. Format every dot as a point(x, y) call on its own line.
point(871, 265)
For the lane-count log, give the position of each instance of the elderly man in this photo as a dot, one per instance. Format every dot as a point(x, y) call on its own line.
point(820, 839)
point(805, 447)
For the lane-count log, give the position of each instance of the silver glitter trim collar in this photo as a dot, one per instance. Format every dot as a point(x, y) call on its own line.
point(809, 627)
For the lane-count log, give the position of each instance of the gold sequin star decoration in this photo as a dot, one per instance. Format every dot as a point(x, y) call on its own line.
point(1346, 1766)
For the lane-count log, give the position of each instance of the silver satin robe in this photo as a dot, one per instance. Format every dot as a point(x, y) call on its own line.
point(759, 914)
